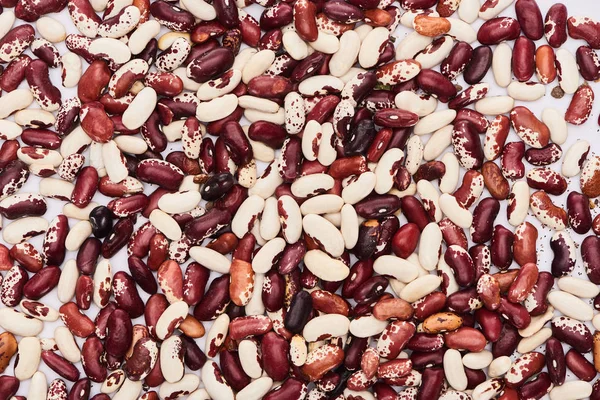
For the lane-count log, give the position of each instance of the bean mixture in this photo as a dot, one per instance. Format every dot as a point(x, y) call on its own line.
point(342, 241)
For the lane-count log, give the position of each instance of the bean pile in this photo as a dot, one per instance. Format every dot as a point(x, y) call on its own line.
point(366, 262)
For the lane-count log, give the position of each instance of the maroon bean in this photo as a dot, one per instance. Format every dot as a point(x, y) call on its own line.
point(291, 156)
point(194, 357)
point(479, 65)
point(101, 320)
point(483, 220)
point(232, 370)
point(80, 390)
point(508, 341)
point(462, 265)
point(299, 312)
point(87, 255)
point(214, 301)
point(588, 62)
point(377, 206)
point(10, 386)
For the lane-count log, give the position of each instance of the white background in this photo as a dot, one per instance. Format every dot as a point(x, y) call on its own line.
point(589, 131)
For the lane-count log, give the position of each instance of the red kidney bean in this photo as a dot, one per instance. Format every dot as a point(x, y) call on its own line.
point(490, 322)
point(530, 19)
point(85, 186)
point(479, 65)
point(87, 256)
point(275, 352)
point(497, 30)
point(523, 64)
point(119, 335)
point(14, 73)
point(580, 366)
point(271, 134)
point(8, 152)
point(60, 365)
point(432, 382)
point(436, 84)
point(42, 283)
point(515, 314)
